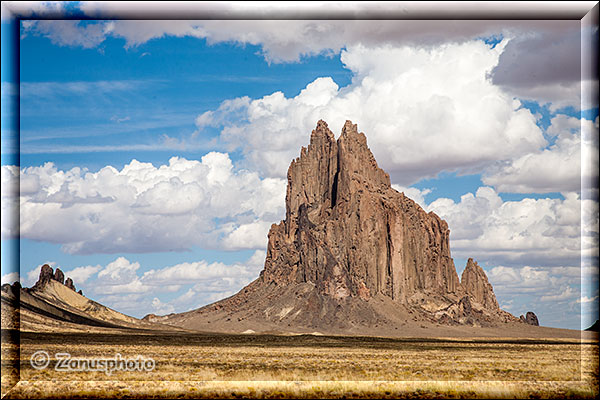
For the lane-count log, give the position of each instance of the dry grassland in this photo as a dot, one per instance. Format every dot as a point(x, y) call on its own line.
point(265, 366)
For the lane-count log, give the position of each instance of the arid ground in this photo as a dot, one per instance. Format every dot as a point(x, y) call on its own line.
point(308, 366)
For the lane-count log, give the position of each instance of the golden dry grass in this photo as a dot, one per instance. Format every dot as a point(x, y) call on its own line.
point(308, 367)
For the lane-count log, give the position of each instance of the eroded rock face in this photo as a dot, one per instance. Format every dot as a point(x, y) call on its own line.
point(69, 284)
point(530, 318)
point(349, 233)
point(476, 284)
point(46, 273)
point(59, 276)
point(352, 254)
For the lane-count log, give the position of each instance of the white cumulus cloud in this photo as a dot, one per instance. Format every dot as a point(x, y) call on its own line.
point(80, 275)
point(145, 208)
point(529, 231)
point(554, 169)
point(10, 278)
point(121, 284)
point(424, 110)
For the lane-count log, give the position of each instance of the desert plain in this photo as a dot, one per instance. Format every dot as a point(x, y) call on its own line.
point(190, 365)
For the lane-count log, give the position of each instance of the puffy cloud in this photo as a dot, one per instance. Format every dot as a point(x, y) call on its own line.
point(568, 293)
point(586, 299)
point(80, 275)
point(69, 32)
point(121, 284)
point(551, 292)
point(10, 278)
point(541, 63)
point(10, 200)
point(425, 110)
point(32, 9)
point(146, 208)
point(537, 280)
point(251, 235)
point(554, 169)
point(161, 308)
point(120, 270)
point(530, 231)
point(192, 272)
point(525, 288)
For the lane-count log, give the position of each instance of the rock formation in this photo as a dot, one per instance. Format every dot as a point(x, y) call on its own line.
point(70, 285)
point(53, 306)
point(348, 232)
point(46, 274)
point(59, 276)
point(475, 282)
point(530, 318)
point(354, 251)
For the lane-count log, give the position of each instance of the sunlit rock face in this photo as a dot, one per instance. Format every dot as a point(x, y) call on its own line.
point(353, 255)
point(348, 232)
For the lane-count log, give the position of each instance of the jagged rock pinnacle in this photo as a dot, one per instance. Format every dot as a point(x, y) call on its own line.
point(47, 274)
point(348, 232)
point(476, 284)
point(352, 255)
point(530, 319)
point(70, 285)
point(59, 276)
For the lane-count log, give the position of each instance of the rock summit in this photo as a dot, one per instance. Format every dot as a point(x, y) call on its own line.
point(353, 254)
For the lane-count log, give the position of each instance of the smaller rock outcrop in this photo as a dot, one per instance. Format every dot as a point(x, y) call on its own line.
point(70, 285)
point(46, 273)
point(59, 276)
point(530, 318)
point(80, 292)
point(476, 284)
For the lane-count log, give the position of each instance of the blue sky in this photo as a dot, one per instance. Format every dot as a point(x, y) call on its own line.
point(213, 113)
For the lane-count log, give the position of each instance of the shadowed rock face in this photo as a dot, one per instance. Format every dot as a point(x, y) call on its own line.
point(46, 273)
point(59, 276)
point(70, 285)
point(352, 254)
point(530, 318)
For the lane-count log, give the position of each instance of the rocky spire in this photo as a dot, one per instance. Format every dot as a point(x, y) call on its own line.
point(530, 319)
point(476, 284)
point(352, 254)
point(59, 276)
point(47, 274)
point(348, 232)
point(70, 285)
